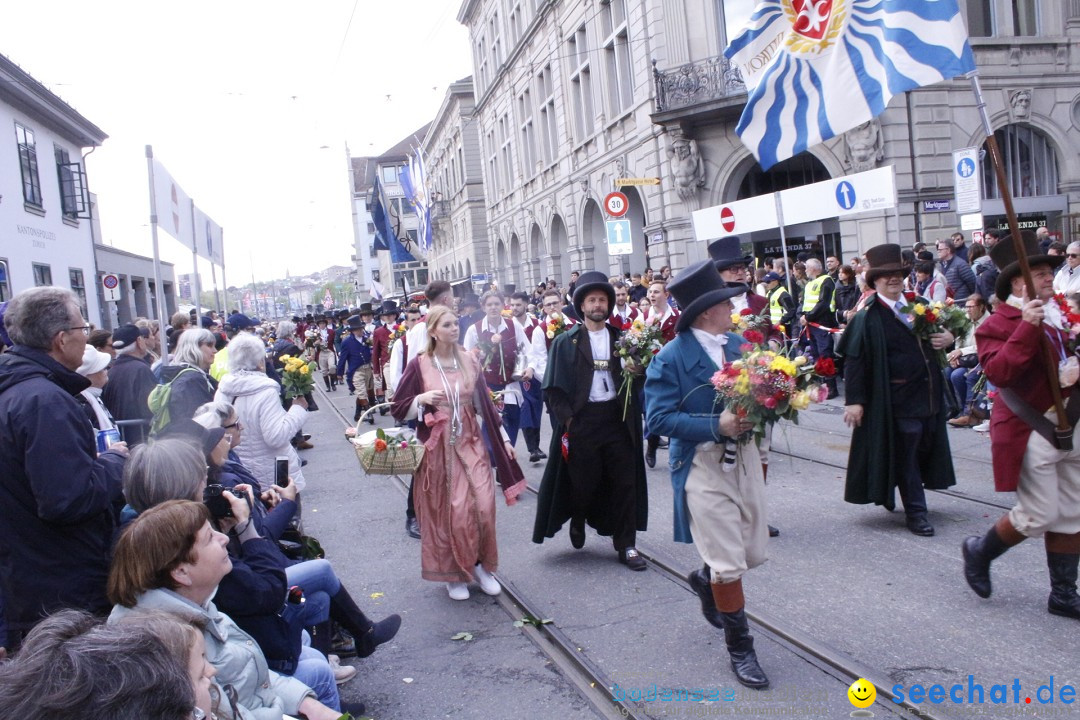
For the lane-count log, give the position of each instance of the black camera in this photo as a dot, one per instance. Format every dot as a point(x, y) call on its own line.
point(218, 504)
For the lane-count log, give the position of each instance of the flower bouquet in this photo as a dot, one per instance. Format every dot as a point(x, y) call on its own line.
point(764, 386)
point(556, 325)
point(296, 377)
point(931, 318)
point(491, 350)
point(383, 453)
point(636, 347)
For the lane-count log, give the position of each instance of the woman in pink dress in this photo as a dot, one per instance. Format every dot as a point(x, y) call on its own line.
point(444, 391)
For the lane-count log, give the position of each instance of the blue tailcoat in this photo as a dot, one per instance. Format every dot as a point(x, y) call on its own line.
point(681, 404)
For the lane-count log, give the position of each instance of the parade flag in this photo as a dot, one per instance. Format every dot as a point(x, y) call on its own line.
point(385, 237)
point(414, 183)
point(817, 68)
point(173, 206)
point(208, 238)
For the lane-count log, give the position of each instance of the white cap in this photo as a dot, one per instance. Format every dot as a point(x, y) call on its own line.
point(93, 360)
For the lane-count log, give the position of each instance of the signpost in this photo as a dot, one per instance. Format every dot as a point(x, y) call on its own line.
point(625, 182)
point(110, 287)
point(616, 204)
point(736, 218)
point(966, 181)
point(620, 241)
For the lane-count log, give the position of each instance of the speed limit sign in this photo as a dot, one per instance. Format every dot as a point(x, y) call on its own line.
point(616, 204)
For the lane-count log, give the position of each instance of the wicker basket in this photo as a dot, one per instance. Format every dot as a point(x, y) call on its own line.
point(394, 460)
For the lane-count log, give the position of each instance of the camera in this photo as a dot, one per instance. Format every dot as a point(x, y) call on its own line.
point(215, 500)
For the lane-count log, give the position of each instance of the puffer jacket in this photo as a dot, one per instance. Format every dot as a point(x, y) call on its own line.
point(237, 657)
point(59, 500)
point(268, 427)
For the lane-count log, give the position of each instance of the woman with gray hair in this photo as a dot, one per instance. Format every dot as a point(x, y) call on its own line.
point(268, 427)
point(188, 377)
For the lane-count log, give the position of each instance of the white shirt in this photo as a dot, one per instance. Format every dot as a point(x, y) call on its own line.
point(512, 391)
point(417, 340)
point(603, 383)
point(623, 313)
point(739, 303)
point(713, 345)
point(1067, 279)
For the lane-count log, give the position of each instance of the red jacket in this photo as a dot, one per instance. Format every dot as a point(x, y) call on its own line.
point(380, 348)
point(1010, 351)
point(617, 322)
point(667, 330)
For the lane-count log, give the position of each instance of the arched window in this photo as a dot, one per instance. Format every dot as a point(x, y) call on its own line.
point(800, 170)
point(1030, 163)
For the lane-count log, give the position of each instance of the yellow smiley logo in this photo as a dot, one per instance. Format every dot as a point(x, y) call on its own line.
point(861, 694)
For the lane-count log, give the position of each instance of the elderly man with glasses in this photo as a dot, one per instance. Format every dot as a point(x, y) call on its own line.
point(57, 492)
point(1067, 279)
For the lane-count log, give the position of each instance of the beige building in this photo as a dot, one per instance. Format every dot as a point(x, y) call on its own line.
point(572, 94)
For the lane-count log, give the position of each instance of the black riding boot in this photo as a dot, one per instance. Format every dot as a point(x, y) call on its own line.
point(368, 635)
point(729, 601)
point(979, 552)
point(700, 584)
point(650, 451)
point(1063, 557)
point(326, 381)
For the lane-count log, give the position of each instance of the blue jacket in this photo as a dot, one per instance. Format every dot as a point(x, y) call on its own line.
point(681, 404)
point(354, 354)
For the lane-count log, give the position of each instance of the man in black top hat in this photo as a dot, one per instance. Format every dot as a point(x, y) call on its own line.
point(595, 472)
point(722, 512)
point(893, 387)
point(380, 349)
point(354, 362)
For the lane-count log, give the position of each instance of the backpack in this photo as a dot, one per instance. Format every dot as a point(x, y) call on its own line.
point(158, 400)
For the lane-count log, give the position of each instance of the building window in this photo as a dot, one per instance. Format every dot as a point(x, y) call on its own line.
point(5, 286)
point(980, 17)
point(482, 65)
point(494, 30)
point(28, 164)
point(734, 16)
point(548, 127)
point(1025, 17)
point(78, 286)
point(620, 80)
point(516, 22)
point(371, 228)
point(581, 85)
point(1030, 164)
point(42, 275)
point(528, 134)
point(505, 152)
point(493, 164)
point(460, 178)
point(390, 175)
point(70, 177)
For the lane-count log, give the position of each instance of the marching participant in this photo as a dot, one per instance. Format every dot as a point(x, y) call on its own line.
point(532, 396)
point(380, 348)
point(623, 314)
point(325, 355)
point(722, 513)
point(1027, 457)
point(660, 311)
point(356, 355)
point(596, 472)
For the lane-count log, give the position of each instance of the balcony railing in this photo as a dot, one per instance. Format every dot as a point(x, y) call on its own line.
point(697, 82)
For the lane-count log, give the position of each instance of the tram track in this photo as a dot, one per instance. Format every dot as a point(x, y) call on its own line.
point(594, 685)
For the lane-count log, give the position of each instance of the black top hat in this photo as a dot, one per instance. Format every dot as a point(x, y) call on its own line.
point(389, 307)
point(342, 314)
point(727, 251)
point(355, 323)
point(698, 288)
point(366, 309)
point(1003, 253)
point(588, 282)
point(884, 259)
point(469, 299)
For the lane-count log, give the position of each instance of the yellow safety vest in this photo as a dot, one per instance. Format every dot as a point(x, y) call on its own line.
point(219, 368)
point(812, 293)
point(776, 310)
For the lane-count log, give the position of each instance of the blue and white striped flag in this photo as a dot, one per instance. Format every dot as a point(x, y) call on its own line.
point(817, 68)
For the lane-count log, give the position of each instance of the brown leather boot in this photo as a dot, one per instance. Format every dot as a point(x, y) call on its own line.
point(731, 604)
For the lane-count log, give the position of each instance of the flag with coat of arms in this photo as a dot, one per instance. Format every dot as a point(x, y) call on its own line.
point(817, 68)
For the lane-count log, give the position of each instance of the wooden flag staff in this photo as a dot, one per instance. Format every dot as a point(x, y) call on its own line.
point(1064, 431)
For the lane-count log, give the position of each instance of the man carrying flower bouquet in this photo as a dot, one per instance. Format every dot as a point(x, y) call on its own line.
point(722, 513)
point(1028, 458)
point(532, 397)
point(894, 396)
point(596, 472)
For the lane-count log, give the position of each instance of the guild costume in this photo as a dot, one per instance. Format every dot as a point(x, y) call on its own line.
point(722, 513)
point(595, 472)
point(354, 362)
point(532, 394)
point(1029, 460)
point(504, 342)
point(902, 442)
point(380, 348)
point(325, 355)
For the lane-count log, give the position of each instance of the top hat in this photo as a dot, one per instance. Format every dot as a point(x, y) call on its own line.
point(366, 309)
point(1003, 253)
point(884, 259)
point(470, 299)
point(389, 307)
point(342, 314)
point(589, 281)
point(698, 288)
point(355, 323)
point(727, 251)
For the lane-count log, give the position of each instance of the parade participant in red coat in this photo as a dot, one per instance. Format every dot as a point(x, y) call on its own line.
point(497, 341)
point(623, 314)
point(380, 348)
point(660, 310)
point(1026, 455)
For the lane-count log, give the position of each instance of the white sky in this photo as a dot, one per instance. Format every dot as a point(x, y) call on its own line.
point(249, 105)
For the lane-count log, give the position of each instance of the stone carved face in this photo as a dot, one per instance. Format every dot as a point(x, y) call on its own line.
point(1021, 103)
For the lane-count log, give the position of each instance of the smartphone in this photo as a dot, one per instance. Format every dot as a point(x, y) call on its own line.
point(281, 471)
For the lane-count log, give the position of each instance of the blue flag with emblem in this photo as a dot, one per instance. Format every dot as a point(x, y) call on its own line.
point(817, 68)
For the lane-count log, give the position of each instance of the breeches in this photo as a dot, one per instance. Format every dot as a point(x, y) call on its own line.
point(1048, 495)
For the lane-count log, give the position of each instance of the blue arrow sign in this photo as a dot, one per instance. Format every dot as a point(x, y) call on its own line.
point(619, 239)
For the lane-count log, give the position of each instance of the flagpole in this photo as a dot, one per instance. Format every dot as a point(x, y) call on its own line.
point(224, 286)
point(156, 315)
point(195, 261)
point(783, 242)
point(1064, 431)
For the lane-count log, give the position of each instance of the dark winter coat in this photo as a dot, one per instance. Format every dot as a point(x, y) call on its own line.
point(126, 393)
point(58, 499)
point(189, 390)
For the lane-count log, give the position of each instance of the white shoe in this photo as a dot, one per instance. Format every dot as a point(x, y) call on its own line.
point(984, 426)
point(488, 583)
point(458, 591)
point(342, 673)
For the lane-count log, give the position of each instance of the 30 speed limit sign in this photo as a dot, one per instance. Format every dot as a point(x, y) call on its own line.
point(616, 204)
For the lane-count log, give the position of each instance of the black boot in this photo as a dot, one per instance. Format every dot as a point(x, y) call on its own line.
point(368, 635)
point(1063, 598)
point(699, 583)
point(730, 604)
point(333, 383)
point(322, 637)
point(359, 411)
point(326, 381)
point(980, 552)
point(650, 451)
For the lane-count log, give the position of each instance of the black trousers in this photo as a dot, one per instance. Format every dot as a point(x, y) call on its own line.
point(912, 439)
point(602, 472)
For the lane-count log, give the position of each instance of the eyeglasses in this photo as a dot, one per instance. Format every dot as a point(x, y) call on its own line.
point(236, 425)
point(1073, 255)
point(84, 328)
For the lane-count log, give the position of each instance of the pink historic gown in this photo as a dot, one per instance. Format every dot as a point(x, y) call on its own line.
point(454, 485)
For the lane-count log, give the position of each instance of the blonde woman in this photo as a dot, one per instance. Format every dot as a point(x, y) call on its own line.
point(444, 390)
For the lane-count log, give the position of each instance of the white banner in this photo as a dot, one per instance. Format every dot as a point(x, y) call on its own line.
point(173, 206)
point(847, 195)
point(736, 218)
point(208, 238)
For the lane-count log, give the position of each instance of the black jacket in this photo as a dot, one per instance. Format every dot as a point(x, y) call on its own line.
point(189, 390)
point(59, 501)
point(129, 386)
point(847, 297)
